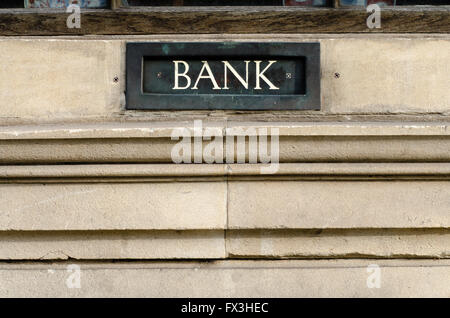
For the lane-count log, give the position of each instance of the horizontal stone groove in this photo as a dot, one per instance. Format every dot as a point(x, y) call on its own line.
point(331, 142)
point(168, 172)
point(311, 149)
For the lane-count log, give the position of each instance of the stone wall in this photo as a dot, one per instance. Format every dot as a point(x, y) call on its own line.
point(363, 181)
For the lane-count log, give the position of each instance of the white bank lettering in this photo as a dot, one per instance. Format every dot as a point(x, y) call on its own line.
point(181, 70)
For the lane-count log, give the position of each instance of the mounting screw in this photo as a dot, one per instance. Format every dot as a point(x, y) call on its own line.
point(337, 75)
point(116, 79)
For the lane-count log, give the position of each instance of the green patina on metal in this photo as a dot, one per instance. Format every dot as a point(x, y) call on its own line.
point(225, 75)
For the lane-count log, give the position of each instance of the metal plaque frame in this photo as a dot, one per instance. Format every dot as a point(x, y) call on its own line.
point(137, 99)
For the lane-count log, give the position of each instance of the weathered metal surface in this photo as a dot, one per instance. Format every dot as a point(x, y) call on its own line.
point(226, 75)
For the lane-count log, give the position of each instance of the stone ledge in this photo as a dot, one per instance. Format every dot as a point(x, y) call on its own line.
point(112, 245)
point(213, 197)
point(232, 204)
point(230, 244)
point(147, 130)
point(344, 243)
point(180, 172)
point(326, 278)
point(151, 143)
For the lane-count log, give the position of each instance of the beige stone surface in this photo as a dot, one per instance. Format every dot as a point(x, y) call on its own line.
point(46, 245)
point(362, 243)
point(109, 129)
point(59, 78)
point(194, 244)
point(357, 189)
point(292, 149)
point(200, 244)
point(48, 205)
point(321, 170)
point(388, 75)
point(63, 173)
point(364, 149)
point(67, 78)
point(151, 142)
point(180, 172)
point(113, 206)
point(86, 150)
point(327, 278)
point(334, 204)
